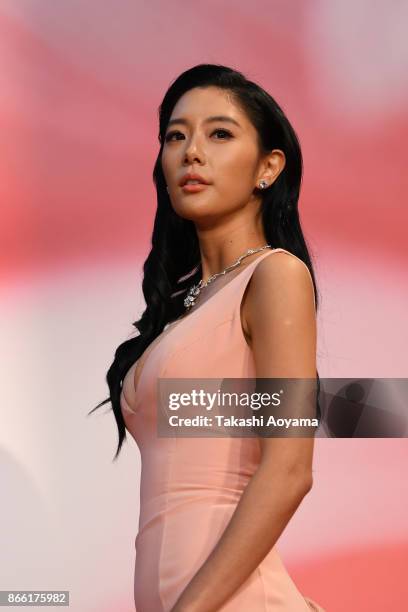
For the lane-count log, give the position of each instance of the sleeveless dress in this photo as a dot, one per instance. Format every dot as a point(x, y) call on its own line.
point(191, 486)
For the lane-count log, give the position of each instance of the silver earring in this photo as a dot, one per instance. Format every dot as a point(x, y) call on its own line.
point(167, 189)
point(263, 184)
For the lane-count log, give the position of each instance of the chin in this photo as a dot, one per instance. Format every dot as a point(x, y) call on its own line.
point(195, 211)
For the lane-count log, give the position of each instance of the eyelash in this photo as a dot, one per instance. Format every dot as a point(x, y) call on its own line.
point(170, 134)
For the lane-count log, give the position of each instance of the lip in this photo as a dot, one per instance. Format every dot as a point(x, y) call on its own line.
point(194, 177)
point(194, 188)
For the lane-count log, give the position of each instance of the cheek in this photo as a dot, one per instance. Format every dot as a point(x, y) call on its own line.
point(168, 164)
point(236, 173)
point(165, 170)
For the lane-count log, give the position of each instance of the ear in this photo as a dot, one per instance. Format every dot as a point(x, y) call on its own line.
point(272, 165)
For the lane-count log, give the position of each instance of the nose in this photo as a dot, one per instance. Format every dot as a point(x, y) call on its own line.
point(193, 154)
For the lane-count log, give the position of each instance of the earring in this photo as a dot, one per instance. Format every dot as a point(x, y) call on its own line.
point(263, 184)
point(167, 188)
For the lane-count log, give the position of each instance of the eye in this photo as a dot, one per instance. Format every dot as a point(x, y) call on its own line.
point(170, 135)
point(224, 131)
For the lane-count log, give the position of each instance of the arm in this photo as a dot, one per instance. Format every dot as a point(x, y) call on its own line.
point(281, 324)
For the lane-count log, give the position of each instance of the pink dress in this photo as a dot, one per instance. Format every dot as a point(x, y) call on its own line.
point(191, 486)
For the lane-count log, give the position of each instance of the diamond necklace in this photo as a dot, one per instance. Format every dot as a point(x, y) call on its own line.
point(194, 291)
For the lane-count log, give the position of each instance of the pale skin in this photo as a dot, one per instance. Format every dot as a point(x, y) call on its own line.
point(278, 321)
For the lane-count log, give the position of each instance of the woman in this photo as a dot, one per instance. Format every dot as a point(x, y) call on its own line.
point(230, 275)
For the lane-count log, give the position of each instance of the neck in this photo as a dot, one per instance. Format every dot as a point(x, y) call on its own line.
point(220, 246)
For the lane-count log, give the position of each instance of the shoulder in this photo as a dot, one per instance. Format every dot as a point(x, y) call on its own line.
point(282, 270)
point(280, 290)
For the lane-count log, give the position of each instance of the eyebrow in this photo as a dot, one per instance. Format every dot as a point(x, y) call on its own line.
point(212, 119)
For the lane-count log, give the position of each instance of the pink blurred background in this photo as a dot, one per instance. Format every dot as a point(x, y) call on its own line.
point(80, 84)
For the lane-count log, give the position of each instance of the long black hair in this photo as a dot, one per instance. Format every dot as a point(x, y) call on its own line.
point(174, 261)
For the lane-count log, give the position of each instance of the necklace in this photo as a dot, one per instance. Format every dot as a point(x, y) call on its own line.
point(194, 291)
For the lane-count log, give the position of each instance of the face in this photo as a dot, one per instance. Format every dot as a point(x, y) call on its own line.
point(224, 152)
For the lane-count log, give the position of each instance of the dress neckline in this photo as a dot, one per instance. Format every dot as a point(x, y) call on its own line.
point(171, 326)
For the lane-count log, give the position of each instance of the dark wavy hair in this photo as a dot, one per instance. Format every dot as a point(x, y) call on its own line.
point(175, 250)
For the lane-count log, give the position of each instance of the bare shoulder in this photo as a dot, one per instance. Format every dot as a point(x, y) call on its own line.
point(280, 289)
point(281, 260)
